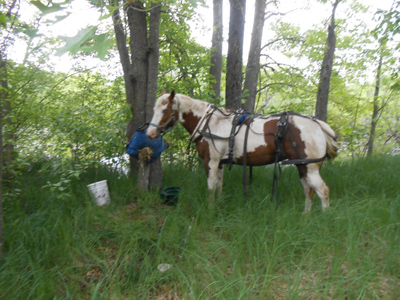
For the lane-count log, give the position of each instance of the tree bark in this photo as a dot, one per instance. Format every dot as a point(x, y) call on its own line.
point(8, 149)
point(123, 51)
point(375, 111)
point(6, 154)
point(216, 47)
point(3, 98)
point(321, 108)
point(140, 67)
point(155, 176)
point(139, 73)
point(234, 76)
point(123, 54)
point(253, 62)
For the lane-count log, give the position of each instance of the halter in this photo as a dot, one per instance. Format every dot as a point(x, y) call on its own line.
point(172, 117)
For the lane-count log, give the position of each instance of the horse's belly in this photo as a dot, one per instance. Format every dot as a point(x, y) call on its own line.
point(259, 161)
point(260, 148)
point(261, 155)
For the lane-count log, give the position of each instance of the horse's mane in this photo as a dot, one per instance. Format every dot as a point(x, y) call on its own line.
point(194, 103)
point(226, 110)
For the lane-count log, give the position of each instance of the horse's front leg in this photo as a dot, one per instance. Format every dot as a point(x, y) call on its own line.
point(214, 181)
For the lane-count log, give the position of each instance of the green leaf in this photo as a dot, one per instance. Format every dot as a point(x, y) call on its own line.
point(47, 9)
point(73, 44)
point(3, 19)
point(28, 30)
point(101, 46)
point(58, 18)
point(193, 3)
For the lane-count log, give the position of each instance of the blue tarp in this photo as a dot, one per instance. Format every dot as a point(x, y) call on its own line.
point(141, 140)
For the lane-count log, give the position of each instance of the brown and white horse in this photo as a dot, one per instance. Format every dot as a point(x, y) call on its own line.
point(314, 138)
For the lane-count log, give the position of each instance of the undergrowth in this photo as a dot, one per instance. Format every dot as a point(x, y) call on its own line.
point(66, 247)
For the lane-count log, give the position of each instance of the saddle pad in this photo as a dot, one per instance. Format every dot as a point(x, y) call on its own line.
point(242, 119)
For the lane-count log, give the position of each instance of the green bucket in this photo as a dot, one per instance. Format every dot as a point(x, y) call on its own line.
point(170, 195)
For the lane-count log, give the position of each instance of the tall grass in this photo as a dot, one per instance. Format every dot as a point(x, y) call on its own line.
point(69, 248)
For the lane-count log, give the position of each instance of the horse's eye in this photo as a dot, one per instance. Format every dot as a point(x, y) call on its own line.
point(165, 111)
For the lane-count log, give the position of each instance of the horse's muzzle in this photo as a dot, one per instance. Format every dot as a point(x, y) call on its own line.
point(152, 133)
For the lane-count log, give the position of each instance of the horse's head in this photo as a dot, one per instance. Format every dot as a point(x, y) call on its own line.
point(166, 114)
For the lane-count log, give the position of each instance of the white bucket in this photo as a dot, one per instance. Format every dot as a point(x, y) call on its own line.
point(99, 191)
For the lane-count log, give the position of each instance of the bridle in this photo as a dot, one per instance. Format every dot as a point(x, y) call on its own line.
point(163, 128)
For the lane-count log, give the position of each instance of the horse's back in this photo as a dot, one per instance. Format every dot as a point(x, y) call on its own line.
point(305, 135)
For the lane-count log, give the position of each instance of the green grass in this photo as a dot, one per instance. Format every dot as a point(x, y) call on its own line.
point(69, 248)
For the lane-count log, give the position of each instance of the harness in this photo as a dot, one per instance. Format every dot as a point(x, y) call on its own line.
point(201, 126)
point(282, 130)
point(240, 118)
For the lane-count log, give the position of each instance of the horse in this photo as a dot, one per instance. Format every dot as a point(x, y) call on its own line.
point(305, 141)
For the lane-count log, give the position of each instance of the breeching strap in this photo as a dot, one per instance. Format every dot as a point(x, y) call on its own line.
point(246, 136)
point(282, 125)
point(282, 130)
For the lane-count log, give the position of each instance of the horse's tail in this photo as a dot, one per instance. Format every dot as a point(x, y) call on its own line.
point(331, 139)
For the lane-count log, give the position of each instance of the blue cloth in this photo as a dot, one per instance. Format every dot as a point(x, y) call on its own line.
point(141, 140)
point(242, 118)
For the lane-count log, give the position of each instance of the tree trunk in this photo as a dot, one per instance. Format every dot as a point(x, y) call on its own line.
point(140, 66)
point(321, 108)
point(253, 62)
point(216, 48)
point(155, 176)
point(375, 110)
point(3, 98)
point(6, 154)
point(234, 76)
point(139, 72)
point(125, 60)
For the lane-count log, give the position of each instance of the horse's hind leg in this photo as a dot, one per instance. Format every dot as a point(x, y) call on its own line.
point(309, 192)
point(313, 183)
point(315, 180)
point(220, 179)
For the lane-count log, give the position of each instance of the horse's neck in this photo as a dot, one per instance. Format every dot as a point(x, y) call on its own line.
point(192, 111)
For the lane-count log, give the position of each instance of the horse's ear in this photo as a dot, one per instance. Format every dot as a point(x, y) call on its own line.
point(171, 95)
point(163, 92)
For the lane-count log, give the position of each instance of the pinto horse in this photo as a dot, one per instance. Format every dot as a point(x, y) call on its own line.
point(306, 140)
